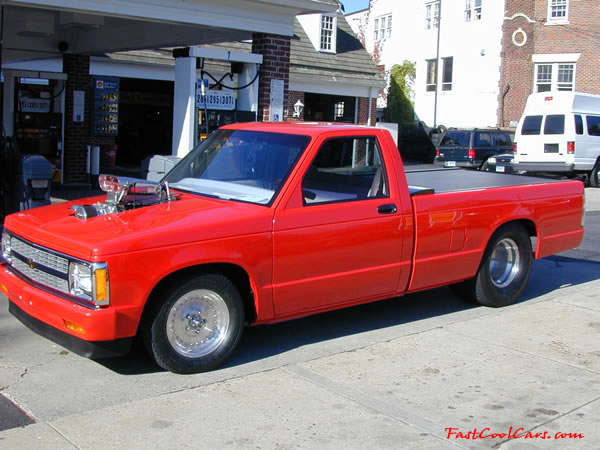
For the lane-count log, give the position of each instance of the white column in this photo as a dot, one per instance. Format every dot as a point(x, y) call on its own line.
point(248, 98)
point(184, 106)
point(8, 105)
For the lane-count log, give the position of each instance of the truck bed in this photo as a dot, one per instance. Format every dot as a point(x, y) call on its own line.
point(430, 181)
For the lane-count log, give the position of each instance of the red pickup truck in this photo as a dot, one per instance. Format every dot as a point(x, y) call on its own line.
point(267, 222)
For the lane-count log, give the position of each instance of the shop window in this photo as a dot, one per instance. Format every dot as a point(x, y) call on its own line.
point(338, 110)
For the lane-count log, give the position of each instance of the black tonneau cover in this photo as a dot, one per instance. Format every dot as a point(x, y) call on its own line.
point(430, 181)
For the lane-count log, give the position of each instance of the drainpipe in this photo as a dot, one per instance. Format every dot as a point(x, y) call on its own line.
point(370, 107)
point(506, 89)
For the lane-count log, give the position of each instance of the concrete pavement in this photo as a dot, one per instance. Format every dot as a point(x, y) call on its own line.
point(404, 373)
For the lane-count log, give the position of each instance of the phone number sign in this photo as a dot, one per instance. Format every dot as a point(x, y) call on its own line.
point(223, 100)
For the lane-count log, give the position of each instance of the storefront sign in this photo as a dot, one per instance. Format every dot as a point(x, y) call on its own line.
point(222, 100)
point(105, 109)
point(34, 105)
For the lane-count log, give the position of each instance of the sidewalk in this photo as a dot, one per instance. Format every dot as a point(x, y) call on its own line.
point(533, 366)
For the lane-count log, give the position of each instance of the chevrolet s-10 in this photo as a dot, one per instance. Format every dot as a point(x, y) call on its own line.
point(265, 222)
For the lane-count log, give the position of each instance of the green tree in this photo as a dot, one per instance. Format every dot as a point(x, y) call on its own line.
point(400, 108)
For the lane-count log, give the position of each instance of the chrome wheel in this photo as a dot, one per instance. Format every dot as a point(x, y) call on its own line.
point(504, 269)
point(504, 263)
point(198, 323)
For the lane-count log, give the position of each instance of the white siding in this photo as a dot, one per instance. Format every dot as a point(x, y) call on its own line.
point(475, 47)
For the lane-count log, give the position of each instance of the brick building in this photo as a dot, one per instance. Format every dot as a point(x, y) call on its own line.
point(547, 45)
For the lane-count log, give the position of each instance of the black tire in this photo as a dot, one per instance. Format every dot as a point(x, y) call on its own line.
point(504, 270)
point(197, 326)
point(595, 176)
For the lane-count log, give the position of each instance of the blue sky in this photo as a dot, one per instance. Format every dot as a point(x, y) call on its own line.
point(355, 5)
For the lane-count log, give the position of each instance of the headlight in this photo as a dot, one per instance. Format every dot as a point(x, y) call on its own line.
point(6, 247)
point(89, 282)
point(492, 160)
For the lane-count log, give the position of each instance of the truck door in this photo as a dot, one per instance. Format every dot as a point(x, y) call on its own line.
point(340, 239)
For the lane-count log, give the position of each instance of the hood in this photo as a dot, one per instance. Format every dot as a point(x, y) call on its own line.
point(191, 218)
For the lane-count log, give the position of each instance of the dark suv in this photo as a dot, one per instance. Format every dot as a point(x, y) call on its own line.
point(471, 147)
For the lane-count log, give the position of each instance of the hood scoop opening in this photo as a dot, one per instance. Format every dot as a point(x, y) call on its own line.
point(123, 194)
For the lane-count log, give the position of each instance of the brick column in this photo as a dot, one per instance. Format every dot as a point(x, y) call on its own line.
point(76, 135)
point(363, 111)
point(276, 65)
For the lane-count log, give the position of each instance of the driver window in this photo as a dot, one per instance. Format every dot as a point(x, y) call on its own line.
point(346, 169)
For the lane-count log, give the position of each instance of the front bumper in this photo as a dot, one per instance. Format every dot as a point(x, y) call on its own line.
point(49, 315)
point(88, 349)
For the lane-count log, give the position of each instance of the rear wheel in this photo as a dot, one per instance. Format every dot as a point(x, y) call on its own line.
point(595, 175)
point(504, 270)
point(198, 326)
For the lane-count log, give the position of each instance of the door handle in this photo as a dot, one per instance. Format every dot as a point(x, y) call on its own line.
point(388, 208)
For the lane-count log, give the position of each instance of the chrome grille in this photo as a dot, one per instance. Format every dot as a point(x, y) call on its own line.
point(38, 276)
point(40, 265)
point(40, 256)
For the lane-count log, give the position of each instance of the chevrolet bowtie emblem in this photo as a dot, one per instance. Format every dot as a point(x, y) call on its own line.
point(31, 263)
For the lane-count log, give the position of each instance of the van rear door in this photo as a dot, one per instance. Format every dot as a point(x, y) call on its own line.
point(544, 138)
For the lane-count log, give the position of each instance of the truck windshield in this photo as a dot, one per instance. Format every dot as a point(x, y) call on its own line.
point(248, 166)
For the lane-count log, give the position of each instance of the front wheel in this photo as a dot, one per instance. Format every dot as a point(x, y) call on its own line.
point(198, 326)
point(504, 270)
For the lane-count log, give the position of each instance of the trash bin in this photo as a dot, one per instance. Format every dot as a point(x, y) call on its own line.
point(34, 185)
point(108, 155)
point(158, 166)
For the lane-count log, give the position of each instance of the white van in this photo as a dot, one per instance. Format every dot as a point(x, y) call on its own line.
point(560, 132)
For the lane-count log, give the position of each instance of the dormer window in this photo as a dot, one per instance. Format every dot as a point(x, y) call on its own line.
point(327, 39)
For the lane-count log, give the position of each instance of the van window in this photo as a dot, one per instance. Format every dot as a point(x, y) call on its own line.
point(531, 125)
point(593, 125)
point(503, 140)
point(578, 124)
point(555, 124)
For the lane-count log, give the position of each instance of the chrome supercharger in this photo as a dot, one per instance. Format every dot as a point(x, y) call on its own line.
point(124, 193)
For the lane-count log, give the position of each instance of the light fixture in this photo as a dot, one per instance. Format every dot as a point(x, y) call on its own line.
point(298, 108)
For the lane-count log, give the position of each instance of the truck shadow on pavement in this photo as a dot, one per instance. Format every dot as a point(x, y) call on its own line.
point(266, 341)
